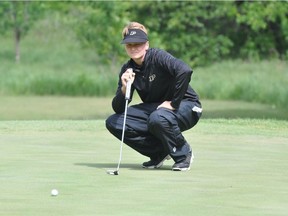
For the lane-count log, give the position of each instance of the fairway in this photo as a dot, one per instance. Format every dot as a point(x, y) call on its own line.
point(84, 108)
point(240, 168)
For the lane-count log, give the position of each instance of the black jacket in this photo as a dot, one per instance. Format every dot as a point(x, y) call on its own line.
point(161, 77)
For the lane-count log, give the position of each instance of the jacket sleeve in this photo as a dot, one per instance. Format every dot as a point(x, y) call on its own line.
point(182, 74)
point(118, 102)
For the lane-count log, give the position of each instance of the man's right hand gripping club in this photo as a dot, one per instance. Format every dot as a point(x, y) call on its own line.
point(128, 75)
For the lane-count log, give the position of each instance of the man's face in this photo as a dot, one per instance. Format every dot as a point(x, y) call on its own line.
point(136, 50)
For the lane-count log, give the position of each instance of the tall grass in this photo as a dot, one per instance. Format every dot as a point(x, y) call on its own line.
point(53, 63)
point(49, 81)
point(264, 81)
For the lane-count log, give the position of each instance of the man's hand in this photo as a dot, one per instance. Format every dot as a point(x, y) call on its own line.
point(126, 76)
point(167, 105)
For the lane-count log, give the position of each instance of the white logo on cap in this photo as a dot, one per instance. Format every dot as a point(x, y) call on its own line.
point(132, 32)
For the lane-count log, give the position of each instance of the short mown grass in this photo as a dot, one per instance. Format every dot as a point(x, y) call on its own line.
point(240, 168)
point(73, 108)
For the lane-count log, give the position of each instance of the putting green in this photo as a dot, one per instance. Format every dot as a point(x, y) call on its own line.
point(240, 168)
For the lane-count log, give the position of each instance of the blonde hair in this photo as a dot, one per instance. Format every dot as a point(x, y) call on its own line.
point(133, 25)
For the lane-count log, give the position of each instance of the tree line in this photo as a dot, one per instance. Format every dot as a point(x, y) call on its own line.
point(199, 32)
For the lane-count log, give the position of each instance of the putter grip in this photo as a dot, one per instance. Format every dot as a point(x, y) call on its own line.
point(128, 90)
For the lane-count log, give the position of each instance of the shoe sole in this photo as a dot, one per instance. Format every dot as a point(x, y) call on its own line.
point(185, 168)
point(159, 164)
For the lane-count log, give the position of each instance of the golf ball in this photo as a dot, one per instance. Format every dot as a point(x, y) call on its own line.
point(54, 192)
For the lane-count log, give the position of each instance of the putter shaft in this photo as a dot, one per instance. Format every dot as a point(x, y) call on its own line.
point(127, 98)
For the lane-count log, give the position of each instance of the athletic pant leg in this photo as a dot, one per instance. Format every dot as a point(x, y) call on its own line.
point(167, 126)
point(136, 134)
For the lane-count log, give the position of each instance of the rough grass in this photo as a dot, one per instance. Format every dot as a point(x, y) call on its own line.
point(240, 168)
point(53, 63)
point(264, 82)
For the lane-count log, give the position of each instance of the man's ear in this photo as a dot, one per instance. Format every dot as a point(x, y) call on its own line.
point(147, 45)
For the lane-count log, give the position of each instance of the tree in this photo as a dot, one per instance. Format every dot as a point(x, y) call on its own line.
point(193, 32)
point(199, 32)
point(19, 17)
point(265, 28)
point(207, 31)
point(99, 25)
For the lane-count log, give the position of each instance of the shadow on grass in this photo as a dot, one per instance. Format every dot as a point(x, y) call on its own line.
point(108, 166)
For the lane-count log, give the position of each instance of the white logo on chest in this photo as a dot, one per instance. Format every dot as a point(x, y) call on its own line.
point(152, 77)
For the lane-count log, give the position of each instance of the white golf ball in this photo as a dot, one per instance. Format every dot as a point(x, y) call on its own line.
point(54, 192)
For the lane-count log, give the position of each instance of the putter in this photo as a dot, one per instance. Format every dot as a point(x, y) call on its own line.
point(127, 97)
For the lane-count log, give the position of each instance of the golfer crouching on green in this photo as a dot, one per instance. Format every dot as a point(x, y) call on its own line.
point(169, 104)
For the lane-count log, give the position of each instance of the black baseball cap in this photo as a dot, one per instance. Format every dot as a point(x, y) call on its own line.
point(135, 36)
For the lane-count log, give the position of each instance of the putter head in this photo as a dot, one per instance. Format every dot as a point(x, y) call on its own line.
point(112, 172)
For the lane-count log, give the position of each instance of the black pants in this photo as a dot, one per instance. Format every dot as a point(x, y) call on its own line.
point(156, 132)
